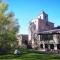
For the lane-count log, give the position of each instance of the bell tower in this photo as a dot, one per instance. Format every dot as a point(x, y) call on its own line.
point(43, 16)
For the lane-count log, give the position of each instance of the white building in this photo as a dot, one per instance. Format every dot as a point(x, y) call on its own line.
point(22, 40)
point(42, 34)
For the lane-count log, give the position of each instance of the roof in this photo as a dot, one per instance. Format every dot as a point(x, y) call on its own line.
point(55, 31)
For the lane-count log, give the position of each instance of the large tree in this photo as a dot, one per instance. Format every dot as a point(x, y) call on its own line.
point(8, 28)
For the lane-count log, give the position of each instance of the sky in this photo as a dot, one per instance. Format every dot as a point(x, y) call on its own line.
point(26, 10)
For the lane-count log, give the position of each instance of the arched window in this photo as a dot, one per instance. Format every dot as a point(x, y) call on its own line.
point(41, 45)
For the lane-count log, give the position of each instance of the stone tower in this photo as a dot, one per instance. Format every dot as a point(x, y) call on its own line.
point(37, 25)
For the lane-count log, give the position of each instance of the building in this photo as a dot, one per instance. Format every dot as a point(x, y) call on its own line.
point(42, 33)
point(22, 40)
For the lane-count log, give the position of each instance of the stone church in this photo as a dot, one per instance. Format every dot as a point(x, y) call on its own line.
point(42, 34)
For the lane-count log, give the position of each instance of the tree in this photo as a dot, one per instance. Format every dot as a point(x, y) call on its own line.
point(8, 28)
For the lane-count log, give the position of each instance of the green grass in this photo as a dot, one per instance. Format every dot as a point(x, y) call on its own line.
point(30, 55)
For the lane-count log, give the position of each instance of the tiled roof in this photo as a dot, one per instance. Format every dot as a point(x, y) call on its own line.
point(54, 31)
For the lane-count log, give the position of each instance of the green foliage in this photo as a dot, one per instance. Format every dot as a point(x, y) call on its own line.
point(3, 7)
point(8, 28)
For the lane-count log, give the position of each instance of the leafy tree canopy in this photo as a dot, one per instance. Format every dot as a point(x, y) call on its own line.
point(8, 28)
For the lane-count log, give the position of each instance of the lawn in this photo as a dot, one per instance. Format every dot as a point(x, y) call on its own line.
point(30, 55)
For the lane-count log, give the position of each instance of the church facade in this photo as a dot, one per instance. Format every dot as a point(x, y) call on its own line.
point(42, 34)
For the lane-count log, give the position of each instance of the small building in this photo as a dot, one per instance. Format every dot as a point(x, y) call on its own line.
point(22, 40)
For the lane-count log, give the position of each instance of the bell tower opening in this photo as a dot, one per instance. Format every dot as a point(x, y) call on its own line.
point(43, 16)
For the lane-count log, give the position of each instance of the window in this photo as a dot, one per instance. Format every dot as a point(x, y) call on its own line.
point(41, 45)
point(46, 37)
point(58, 46)
point(46, 45)
point(45, 17)
point(51, 46)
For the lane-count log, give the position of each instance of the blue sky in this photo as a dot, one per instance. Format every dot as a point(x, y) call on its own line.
point(25, 10)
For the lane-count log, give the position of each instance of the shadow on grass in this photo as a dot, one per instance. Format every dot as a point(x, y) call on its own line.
point(31, 55)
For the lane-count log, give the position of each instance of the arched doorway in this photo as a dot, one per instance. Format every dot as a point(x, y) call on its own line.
point(51, 46)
